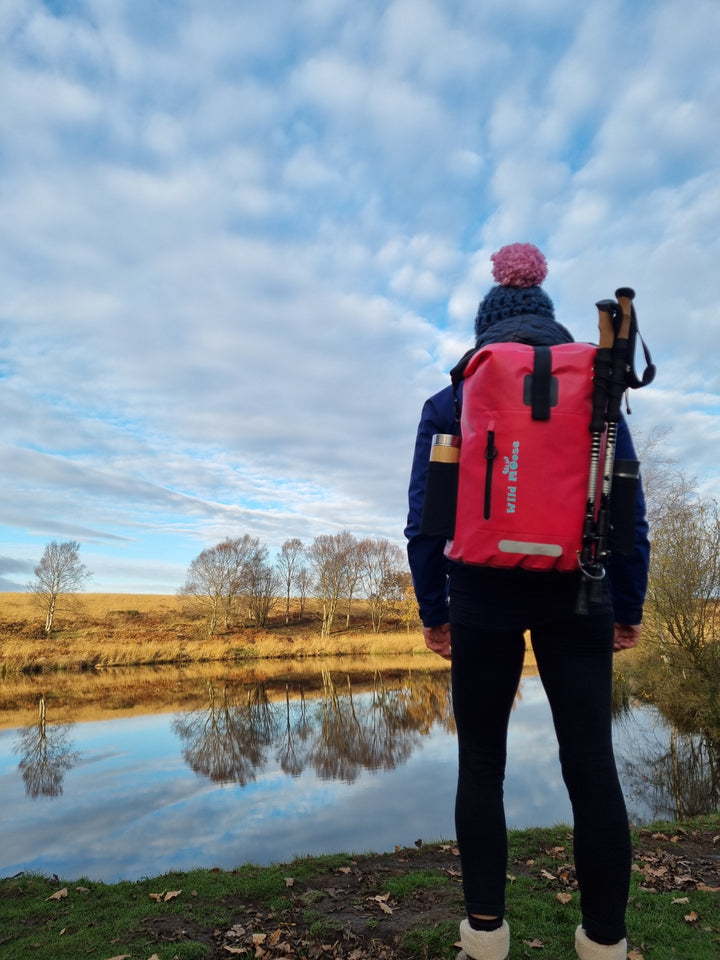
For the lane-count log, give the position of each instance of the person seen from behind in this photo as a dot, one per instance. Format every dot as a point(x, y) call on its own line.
point(476, 616)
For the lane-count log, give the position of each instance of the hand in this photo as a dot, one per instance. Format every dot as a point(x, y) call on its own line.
point(626, 635)
point(437, 639)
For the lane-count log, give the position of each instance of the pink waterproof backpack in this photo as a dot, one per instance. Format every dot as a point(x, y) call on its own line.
point(524, 456)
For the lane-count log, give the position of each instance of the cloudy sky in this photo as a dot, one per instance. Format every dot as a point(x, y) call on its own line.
point(242, 241)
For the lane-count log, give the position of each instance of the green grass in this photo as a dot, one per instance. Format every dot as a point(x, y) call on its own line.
point(421, 880)
point(107, 920)
point(432, 941)
point(177, 916)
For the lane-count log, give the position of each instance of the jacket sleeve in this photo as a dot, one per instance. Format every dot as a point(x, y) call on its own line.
point(428, 565)
point(629, 574)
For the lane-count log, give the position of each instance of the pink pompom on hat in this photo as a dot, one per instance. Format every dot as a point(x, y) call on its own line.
point(519, 265)
point(519, 269)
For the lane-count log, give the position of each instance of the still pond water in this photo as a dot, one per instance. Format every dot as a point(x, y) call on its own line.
point(258, 773)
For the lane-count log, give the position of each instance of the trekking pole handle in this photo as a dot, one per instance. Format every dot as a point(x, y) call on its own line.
point(607, 310)
point(625, 297)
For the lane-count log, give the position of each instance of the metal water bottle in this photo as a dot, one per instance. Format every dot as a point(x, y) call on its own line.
point(440, 504)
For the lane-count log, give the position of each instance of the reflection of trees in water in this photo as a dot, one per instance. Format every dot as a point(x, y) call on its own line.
point(680, 779)
point(341, 736)
point(297, 729)
point(378, 732)
point(228, 741)
point(46, 755)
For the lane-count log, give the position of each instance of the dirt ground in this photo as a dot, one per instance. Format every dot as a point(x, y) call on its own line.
point(346, 915)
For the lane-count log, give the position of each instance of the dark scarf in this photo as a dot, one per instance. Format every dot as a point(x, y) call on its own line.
point(530, 328)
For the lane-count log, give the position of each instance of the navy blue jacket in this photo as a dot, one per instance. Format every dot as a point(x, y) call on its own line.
point(430, 569)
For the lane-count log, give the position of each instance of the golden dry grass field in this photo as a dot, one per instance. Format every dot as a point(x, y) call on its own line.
point(90, 659)
point(104, 630)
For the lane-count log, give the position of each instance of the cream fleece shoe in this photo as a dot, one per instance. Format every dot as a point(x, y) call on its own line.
point(484, 944)
point(587, 949)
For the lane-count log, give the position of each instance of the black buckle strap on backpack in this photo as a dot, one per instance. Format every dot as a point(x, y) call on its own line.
point(614, 374)
point(540, 392)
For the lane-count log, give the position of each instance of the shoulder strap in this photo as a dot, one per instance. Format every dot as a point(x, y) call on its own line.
point(456, 376)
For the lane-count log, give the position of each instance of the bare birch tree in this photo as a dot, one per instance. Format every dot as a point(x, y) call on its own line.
point(59, 575)
point(288, 563)
point(221, 577)
point(382, 564)
point(329, 563)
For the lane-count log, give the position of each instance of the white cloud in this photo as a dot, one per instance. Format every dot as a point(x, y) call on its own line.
point(241, 243)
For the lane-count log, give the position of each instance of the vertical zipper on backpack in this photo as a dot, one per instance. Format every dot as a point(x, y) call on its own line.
point(490, 455)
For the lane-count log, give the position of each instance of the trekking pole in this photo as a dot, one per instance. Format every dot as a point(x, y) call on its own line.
point(616, 388)
point(592, 570)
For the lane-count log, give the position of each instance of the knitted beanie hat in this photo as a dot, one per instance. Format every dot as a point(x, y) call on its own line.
point(519, 269)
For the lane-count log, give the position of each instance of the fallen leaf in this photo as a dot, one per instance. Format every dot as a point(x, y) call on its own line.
point(563, 897)
point(259, 938)
point(171, 895)
point(344, 870)
point(82, 889)
point(681, 900)
point(154, 957)
point(157, 897)
point(381, 902)
point(635, 955)
point(289, 881)
point(58, 895)
point(707, 889)
point(122, 956)
point(547, 875)
point(534, 944)
point(63, 931)
point(235, 949)
point(691, 917)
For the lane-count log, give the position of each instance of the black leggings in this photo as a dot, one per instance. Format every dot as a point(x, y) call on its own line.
point(574, 659)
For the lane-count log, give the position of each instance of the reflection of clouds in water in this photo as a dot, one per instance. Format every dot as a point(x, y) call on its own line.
point(534, 792)
point(132, 807)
